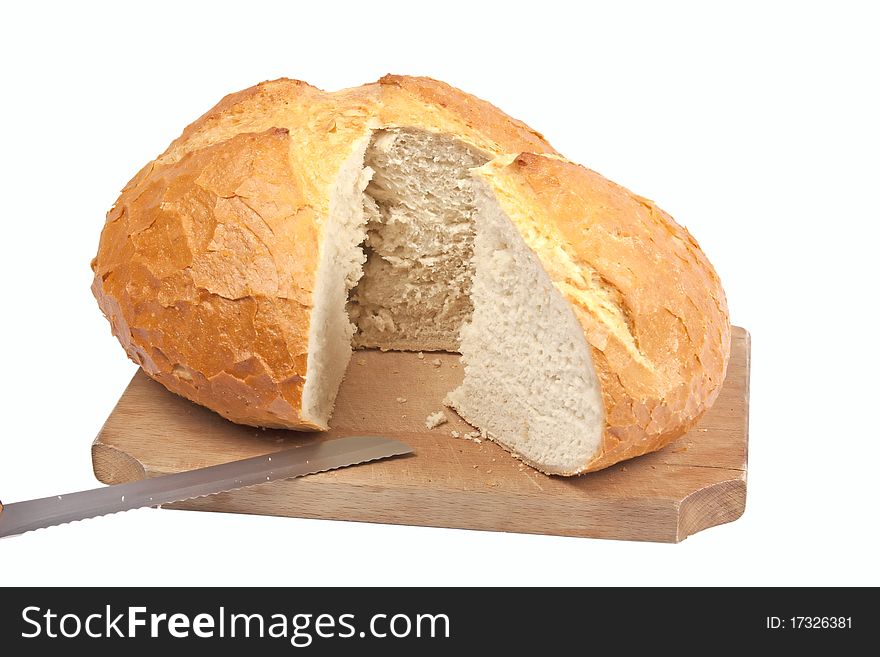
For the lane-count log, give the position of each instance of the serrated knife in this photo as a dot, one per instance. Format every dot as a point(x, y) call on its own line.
point(21, 517)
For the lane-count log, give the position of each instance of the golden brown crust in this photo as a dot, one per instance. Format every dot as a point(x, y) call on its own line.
point(437, 106)
point(189, 273)
point(207, 261)
point(650, 303)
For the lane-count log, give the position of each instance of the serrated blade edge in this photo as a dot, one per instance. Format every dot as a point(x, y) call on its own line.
point(21, 517)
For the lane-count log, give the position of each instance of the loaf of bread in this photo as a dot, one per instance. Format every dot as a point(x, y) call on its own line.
point(288, 226)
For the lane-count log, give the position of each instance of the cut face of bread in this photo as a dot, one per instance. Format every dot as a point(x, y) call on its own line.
point(340, 267)
point(415, 292)
point(430, 262)
point(529, 378)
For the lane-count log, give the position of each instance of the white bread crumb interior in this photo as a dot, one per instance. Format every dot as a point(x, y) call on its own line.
point(422, 258)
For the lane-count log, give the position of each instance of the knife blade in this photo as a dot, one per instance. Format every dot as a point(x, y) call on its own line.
point(21, 517)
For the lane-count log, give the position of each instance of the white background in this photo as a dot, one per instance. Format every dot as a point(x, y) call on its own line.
point(756, 127)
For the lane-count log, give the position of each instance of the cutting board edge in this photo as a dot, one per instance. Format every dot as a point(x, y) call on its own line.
point(112, 465)
point(463, 510)
point(676, 518)
point(717, 504)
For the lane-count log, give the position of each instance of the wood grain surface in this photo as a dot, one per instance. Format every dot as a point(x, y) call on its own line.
point(697, 482)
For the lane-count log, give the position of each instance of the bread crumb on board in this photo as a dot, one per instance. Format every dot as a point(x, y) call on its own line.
point(401, 400)
point(455, 434)
point(421, 356)
point(435, 419)
point(362, 361)
point(473, 435)
point(436, 362)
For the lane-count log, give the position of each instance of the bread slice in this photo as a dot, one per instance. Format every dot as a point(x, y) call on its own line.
point(288, 225)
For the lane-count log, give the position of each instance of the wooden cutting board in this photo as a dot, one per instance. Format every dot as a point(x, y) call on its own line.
point(697, 482)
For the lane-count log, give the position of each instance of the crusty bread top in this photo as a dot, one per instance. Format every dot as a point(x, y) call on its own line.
point(649, 301)
point(437, 106)
point(206, 265)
